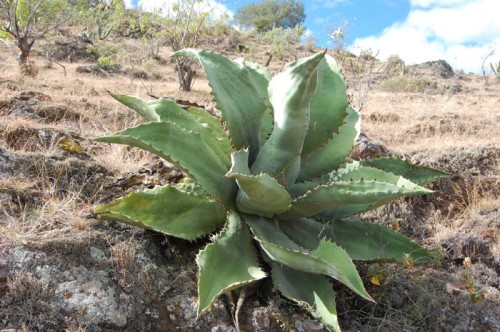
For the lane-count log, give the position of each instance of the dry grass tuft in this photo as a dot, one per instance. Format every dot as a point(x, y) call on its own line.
point(27, 302)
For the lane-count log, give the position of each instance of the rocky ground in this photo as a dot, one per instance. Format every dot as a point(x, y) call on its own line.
point(63, 270)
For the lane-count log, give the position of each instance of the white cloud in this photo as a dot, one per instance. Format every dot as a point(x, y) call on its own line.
point(461, 32)
point(429, 3)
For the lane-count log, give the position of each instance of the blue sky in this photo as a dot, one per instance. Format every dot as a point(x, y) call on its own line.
point(462, 32)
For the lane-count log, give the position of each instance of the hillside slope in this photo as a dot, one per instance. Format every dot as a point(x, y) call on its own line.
point(61, 269)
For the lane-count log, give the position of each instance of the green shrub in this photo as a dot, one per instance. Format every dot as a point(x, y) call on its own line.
point(106, 62)
point(281, 39)
point(403, 84)
point(395, 66)
point(270, 14)
point(104, 49)
point(278, 186)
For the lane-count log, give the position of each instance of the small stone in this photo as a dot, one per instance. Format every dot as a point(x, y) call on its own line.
point(452, 288)
point(98, 254)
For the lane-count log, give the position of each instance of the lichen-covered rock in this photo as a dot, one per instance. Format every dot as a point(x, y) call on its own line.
point(127, 286)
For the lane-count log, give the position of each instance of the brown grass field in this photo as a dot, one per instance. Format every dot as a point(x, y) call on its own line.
point(63, 270)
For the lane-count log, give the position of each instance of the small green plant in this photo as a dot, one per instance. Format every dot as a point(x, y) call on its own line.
point(403, 84)
point(278, 185)
point(476, 294)
point(106, 62)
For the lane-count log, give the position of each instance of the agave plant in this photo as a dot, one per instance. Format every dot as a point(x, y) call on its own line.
point(277, 187)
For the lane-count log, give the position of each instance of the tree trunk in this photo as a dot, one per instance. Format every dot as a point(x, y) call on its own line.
point(26, 66)
point(185, 74)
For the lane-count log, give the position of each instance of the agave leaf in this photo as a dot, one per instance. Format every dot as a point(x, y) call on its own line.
point(290, 94)
point(193, 119)
point(362, 240)
point(266, 125)
point(326, 258)
point(211, 124)
point(240, 93)
point(356, 172)
point(191, 151)
point(313, 290)
point(266, 73)
point(419, 174)
point(259, 194)
point(142, 107)
point(167, 209)
point(328, 106)
point(342, 194)
point(335, 152)
point(228, 263)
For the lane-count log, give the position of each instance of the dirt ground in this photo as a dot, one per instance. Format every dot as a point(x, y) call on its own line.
point(63, 270)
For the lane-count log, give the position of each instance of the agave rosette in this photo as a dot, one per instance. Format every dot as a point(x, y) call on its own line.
point(278, 186)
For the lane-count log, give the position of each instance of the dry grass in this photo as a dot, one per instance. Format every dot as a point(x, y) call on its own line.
point(27, 302)
point(419, 122)
point(56, 217)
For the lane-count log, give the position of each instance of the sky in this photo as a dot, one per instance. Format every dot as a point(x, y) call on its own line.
point(462, 32)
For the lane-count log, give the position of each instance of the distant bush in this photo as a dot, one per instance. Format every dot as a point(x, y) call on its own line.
point(103, 49)
point(270, 14)
point(395, 66)
point(367, 55)
point(281, 39)
point(106, 62)
point(403, 84)
point(310, 42)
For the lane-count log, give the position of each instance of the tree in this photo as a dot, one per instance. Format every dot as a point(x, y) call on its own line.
point(27, 21)
point(179, 25)
point(104, 15)
point(270, 14)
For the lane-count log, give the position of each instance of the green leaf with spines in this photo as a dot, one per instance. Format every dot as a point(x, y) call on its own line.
point(258, 194)
point(421, 175)
point(189, 150)
point(264, 71)
point(312, 290)
point(326, 258)
point(362, 240)
point(228, 263)
point(191, 119)
point(142, 107)
point(354, 171)
point(328, 106)
point(167, 209)
point(240, 93)
point(213, 125)
point(335, 152)
point(290, 94)
point(340, 194)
